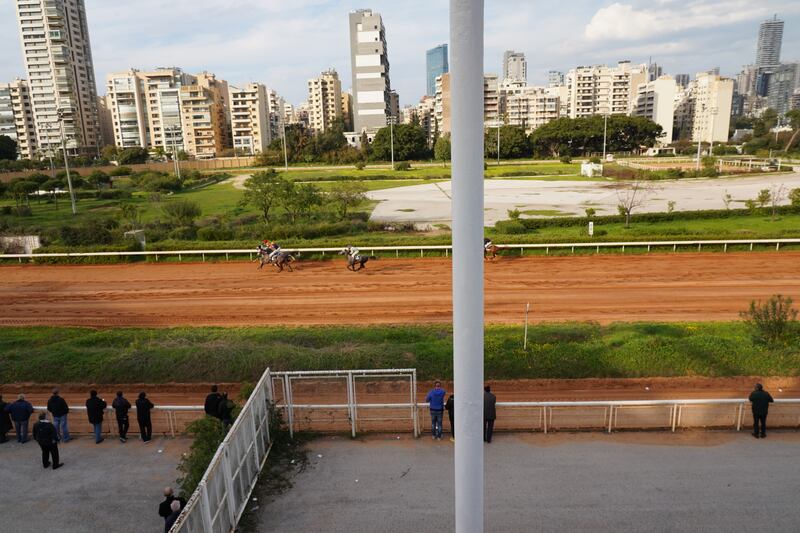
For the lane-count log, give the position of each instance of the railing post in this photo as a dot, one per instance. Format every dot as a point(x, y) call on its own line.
point(351, 403)
point(287, 393)
point(674, 416)
point(544, 418)
point(610, 417)
point(229, 495)
point(205, 509)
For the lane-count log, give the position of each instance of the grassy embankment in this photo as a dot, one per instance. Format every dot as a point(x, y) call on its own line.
point(573, 350)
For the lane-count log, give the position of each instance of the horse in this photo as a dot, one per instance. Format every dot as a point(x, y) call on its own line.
point(359, 260)
point(491, 252)
point(283, 260)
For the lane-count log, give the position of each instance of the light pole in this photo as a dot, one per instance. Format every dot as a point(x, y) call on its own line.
point(66, 162)
point(285, 152)
point(699, 144)
point(714, 112)
point(391, 121)
point(176, 160)
point(466, 79)
point(605, 129)
point(498, 124)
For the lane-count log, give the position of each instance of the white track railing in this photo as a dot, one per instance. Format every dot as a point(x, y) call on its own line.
point(445, 248)
point(167, 419)
point(222, 494)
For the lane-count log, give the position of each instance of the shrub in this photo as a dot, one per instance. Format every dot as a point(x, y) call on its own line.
point(211, 233)
point(360, 165)
point(208, 435)
point(113, 194)
point(794, 197)
point(595, 160)
point(514, 214)
point(511, 227)
point(120, 171)
point(182, 212)
point(402, 165)
point(183, 233)
point(565, 159)
point(772, 321)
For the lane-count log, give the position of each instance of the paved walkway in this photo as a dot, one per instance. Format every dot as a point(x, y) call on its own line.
point(704, 481)
point(430, 203)
point(101, 487)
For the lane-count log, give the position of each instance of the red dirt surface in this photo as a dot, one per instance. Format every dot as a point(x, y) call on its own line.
point(604, 288)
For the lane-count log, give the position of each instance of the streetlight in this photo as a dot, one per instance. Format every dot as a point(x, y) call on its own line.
point(714, 112)
point(391, 121)
point(66, 161)
point(605, 129)
point(175, 129)
point(699, 144)
point(285, 153)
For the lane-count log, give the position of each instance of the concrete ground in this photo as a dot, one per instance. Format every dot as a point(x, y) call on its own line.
point(693, 481)
point(430, 203)
point(101, 487)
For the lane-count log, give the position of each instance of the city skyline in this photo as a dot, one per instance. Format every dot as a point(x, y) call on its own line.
point(279, 53)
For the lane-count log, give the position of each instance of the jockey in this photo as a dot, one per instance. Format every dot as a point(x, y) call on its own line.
point(276, 249)
point(487, 243)
point(264, 246)
point(352, 250)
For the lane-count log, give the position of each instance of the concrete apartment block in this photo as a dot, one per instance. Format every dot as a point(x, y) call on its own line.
point(514, 66)
point(250, 125)
point(370, 67)
point(324, 100)
point(16, 117)
point(204, 113)
point(656, 101)
point(603, 90)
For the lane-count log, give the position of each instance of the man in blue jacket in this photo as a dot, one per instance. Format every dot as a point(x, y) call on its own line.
point(20, 412)
point(435, 399)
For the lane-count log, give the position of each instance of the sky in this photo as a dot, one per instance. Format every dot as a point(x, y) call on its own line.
point(284, 43)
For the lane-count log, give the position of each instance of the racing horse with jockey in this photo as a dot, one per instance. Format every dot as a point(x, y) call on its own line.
point(355, 261)
point(270, 253)
point(489, 249)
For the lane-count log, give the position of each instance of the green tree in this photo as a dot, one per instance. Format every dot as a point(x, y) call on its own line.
point(763, 198)
point(98, 178)
point(8, 148)
point(410, 142)
point(299, 198)
point(130, 213)
point(772, 321)
point(514, 143)
point(182, 212)
point(346, 195)
point(133, 155)
point(262, 190)
point(21, 190)
point(109, 152)
point(441, 150)
point(51, 186)
point(794, 197)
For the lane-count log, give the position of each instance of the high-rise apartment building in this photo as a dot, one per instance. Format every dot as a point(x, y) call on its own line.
point(436, 64)
point(782, 81)
point(347, 110)
point(58, 61)
point(703, 109)
point(656, 101)
point(250, 125)
point(394, 104)
point(682, 80)
point(442, 107)
point(145, 108)
point(277, 113)
point(16, 117)
point(555, 78)
point(370, 67)
point(204, 113)
point(492, 111)
point(514, 66)
point(105, 119)
point(603, 90)
point(794, 101)
point(531, 107)
point(770, 38)
point(324, 100)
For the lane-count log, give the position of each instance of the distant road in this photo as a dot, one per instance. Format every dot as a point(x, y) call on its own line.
point(605, 288)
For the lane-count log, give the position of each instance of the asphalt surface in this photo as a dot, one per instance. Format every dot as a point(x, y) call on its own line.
point(694, 481)
point(109, 486)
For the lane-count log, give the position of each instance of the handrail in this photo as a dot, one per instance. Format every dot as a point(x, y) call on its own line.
point(445, 247)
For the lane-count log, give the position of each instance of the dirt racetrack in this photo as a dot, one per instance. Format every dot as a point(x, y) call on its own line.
point(604, 288)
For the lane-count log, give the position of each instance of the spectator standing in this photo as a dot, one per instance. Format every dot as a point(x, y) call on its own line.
point(169, 521)
point(59, 409)
point(5, 421)
point(450, 406)
point(47, 436)
point(20, 411)
point(143, 407)
point(225, 410)
point(95, 409)
point(121, 407)
point(760, 400)
point(212, 402)
point(164, 509)
point(489, 413)
point(435, 399)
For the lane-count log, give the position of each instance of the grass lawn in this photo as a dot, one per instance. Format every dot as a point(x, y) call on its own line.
point(571, 350)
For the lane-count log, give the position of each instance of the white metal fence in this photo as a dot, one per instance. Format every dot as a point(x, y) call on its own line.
point(222, 494)
point(167, 419)
point(443, 249)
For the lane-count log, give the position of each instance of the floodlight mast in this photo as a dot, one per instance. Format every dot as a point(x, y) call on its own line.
point(466, 75)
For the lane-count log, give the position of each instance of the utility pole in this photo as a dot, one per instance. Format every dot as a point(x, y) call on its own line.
point(466, 76)
point(285, 152)
point(390, 120)
point(66, 162)
point(699, 145)
point(605, 129)
point(499, 123)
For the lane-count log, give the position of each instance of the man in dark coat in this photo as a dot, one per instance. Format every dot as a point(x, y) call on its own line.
point(175, 508)
point(212, 402)
point(143, 407)
point(760, 400)
point(225, 410)
point(489, 413)
point(121, 407)
point(5, 421)
point(164, 508)
point(95, 409)
point(59, 409)
point(20, 412)
point(46, 435)
point(450, 407)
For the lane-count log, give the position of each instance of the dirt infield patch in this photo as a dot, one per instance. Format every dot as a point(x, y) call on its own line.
point(657, 287)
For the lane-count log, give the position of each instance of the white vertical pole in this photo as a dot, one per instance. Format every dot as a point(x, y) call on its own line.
point(525, 342)
point(466, 71)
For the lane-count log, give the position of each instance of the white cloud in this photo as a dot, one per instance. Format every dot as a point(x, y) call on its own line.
point(629, 23)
